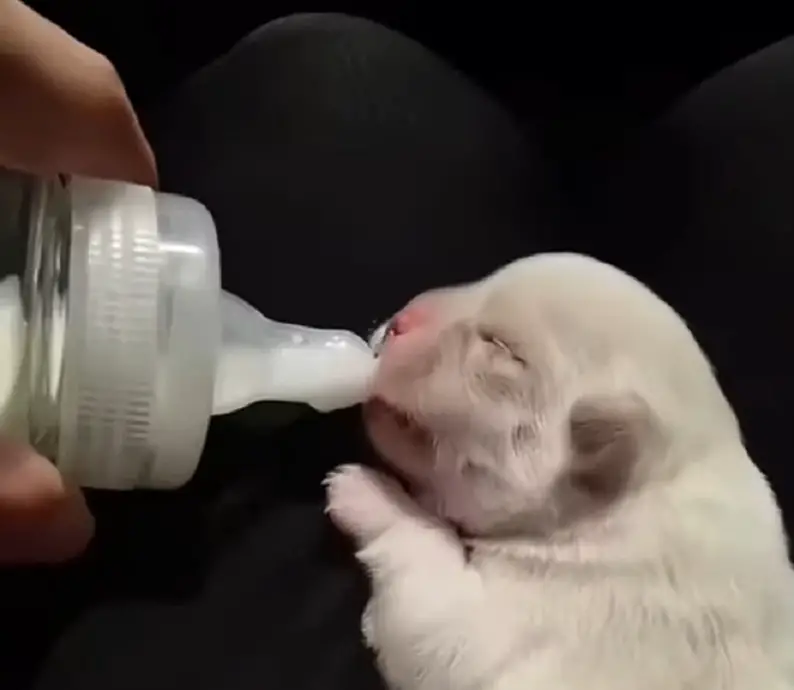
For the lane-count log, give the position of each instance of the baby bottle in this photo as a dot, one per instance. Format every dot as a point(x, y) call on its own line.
point(117, 343)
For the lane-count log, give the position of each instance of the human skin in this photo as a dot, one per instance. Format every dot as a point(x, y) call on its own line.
point(64, 110)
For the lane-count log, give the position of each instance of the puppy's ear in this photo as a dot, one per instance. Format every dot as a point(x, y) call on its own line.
point(607, 434)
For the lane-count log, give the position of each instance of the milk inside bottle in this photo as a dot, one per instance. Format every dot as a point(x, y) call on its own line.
point(118, 344)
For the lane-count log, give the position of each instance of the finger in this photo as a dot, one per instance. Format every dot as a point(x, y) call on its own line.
point(142, 167)
point(104, 140)
point(116, 150)
point(42, 519)
point(64, 107)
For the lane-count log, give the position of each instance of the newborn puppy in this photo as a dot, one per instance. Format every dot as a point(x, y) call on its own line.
point(581, 512)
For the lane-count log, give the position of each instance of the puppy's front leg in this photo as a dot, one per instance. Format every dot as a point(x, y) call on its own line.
point(428, 607)
point(392, 533)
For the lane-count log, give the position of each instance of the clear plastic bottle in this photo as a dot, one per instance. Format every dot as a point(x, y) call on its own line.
point(125, 343)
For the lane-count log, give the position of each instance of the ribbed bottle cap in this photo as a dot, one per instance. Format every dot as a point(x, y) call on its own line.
point(140, 332)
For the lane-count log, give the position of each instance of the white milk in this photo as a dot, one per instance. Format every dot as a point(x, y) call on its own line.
point(265, 360)
point(260, 360)
point(13, 402)
point(326, 378)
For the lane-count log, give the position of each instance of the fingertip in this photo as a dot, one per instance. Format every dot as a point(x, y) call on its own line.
point(42, 519)
point(60, 535)
point(65, 533)
point(141, 158)
point(118, 150)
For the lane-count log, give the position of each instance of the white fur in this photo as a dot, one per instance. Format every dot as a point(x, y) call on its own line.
point(681, 582)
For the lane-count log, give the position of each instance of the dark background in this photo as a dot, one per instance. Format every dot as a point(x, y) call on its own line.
point(591, 72)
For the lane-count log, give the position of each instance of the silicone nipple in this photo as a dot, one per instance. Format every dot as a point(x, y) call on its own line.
point(264, 360)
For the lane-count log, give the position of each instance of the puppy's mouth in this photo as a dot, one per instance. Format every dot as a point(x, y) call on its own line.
point(378, 409)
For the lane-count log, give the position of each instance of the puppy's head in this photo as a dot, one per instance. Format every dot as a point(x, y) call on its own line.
point(541, 395)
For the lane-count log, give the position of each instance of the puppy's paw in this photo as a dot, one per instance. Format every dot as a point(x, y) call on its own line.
point(368, 624)
point(364, 503)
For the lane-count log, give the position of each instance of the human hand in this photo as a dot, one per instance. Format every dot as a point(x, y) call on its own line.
point(42, 519)
point(64, 108)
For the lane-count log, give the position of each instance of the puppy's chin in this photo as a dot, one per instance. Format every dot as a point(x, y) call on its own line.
point(400, 440)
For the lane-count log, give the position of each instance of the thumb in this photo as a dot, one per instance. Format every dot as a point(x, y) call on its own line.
point(42, 520)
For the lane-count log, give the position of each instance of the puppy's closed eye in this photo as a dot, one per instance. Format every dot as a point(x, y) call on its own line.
point(500, 345)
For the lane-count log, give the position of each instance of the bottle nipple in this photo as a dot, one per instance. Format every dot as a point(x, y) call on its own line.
point(264, 360)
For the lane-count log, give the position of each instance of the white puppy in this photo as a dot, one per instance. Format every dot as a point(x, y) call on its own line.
point(581, 511)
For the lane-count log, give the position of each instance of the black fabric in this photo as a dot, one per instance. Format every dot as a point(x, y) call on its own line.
point(589, 77)
point(347, 169)
point(700, 207)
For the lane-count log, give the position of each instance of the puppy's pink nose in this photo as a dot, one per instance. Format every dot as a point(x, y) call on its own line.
point(407, 320)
